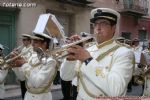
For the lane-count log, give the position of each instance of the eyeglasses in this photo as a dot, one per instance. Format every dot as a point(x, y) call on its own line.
point(102, 24)
point(25, 39)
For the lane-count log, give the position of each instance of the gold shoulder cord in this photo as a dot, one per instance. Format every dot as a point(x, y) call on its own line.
point(46, 87)
point(107, 52)
point(98, 59)
point(34, 65)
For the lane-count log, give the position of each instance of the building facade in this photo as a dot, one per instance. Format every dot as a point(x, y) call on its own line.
point(20, 17)
point(73, 15)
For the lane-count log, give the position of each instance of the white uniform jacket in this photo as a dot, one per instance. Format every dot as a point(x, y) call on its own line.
point(147, 87)
point(39, 75)
point(3, 74)
point(137, 52)
point(138, 55)
point(108, 73)
point(17, 70)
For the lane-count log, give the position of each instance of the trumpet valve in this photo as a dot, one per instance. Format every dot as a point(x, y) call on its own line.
point(2, 61)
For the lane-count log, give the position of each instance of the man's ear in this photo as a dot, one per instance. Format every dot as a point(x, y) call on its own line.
point(45, 43)
point(113, 29)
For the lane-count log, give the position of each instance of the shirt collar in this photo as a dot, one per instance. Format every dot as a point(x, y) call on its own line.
point(105, 43)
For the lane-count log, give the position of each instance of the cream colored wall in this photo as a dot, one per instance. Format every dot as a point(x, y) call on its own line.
point(82, 21)
point(27, 19)
point(81, 15)
point(105, 3)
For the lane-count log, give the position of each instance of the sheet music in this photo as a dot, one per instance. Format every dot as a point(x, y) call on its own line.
point(49, 23)
point(41, 24)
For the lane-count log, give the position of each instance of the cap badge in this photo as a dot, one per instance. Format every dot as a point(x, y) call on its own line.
point(99, 11)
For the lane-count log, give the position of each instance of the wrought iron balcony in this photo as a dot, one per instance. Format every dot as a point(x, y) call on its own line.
point(76, 2)
point(135, 7)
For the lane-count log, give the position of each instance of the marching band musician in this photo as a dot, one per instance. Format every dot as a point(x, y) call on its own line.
point(146, 53)
point(26, 40)
point(139, 58)
point(128, 42)
point(40, 69)
point(86, 44)
point(105, 69)
point(67, 92)
point(121, 39)
point(3, 74)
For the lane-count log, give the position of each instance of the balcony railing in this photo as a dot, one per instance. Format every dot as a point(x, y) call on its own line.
point(76, 2)
point(138, 7)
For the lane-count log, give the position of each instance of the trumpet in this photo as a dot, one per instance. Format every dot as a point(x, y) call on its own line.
point(18, 49)
point(61, 52)
point(8, 62)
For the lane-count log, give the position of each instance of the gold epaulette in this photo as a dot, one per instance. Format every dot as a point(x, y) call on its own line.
point(123, 44)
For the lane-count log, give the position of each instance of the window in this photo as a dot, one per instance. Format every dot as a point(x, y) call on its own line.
point(126, 35)
point(128, 3)
point(142, 35)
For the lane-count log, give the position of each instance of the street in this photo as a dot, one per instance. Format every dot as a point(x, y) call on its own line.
point(14, 93)
point(57, 94)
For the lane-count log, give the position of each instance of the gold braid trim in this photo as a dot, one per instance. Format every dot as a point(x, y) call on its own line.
point(105, 43)
point(101, 56)
point(42, 89)
point(81, 77)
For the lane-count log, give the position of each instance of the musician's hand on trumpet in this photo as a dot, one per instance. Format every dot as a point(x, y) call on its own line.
point(18, 62)
point(70, 43)
point(77, 52)
point(75, 38)
point(13, 54)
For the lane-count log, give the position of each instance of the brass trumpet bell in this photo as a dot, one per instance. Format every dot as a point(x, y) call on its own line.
point(139, 80)
point(61, 52)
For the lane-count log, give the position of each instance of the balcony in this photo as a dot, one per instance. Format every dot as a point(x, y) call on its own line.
point(76, 2)
point(134, 7)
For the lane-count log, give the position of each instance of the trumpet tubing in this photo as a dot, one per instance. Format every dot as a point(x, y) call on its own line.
point(60, 53)
point(140, 79)
point(147, 71)
point(18, 49)
point(9, 61)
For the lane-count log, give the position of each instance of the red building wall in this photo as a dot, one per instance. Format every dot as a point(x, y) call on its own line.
point(129, 24)
point(145, 24)
point(133, 25)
